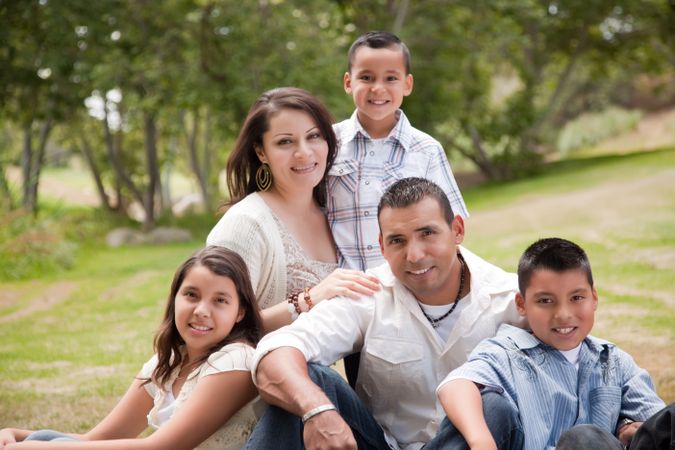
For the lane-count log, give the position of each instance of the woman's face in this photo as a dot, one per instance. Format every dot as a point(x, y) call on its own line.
point(295, 150)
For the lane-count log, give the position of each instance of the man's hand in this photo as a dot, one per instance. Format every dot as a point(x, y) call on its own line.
point(627, 432)
point(328, 431)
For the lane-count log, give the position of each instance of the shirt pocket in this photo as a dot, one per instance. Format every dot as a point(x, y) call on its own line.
point(343, 175)
point(605, 405)
point(388, 365)
point(393, 171)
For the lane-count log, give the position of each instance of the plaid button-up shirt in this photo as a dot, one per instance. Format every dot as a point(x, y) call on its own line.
point(362, 172)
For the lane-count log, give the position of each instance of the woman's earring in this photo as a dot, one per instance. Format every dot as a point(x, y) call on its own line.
point(263, 177)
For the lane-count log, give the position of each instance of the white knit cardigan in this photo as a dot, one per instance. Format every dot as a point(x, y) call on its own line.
point(249, 228)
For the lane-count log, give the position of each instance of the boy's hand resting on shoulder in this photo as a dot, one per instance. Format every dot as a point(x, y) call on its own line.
point(345, 283)
point(328, 431)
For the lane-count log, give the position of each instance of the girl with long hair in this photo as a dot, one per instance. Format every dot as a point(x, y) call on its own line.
point(196, 391)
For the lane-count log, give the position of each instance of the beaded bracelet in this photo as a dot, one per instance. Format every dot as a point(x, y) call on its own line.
point(308, 299)
point(293, 306)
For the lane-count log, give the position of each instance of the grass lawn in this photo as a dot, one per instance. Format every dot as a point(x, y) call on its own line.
point(71, 343)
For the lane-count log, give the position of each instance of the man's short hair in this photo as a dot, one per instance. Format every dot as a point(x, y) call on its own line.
point(556, 254)
point(408, 191)
point(379, 39)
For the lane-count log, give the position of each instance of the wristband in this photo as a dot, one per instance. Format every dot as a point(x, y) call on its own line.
point(318, 410)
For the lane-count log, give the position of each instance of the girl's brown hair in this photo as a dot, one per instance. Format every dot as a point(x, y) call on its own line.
point(168, 342)
point(243, 162)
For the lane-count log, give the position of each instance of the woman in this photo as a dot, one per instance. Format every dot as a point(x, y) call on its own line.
point(276, 176)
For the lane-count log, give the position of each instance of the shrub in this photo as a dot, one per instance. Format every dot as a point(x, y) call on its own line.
point(32, 247)
point(590, 128)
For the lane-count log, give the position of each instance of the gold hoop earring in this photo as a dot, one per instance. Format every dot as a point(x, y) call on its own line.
point(263, 177)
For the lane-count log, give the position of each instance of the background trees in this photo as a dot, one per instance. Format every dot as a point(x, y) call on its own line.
point(144, 89)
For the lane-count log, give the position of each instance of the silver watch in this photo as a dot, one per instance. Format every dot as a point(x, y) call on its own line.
point(623, 422)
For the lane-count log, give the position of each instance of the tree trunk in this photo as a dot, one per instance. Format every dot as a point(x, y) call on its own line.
point(95, 173)
point(31, 164)
point(26, 163)
point(198, 165)
point(113, 147)
point(152, 167)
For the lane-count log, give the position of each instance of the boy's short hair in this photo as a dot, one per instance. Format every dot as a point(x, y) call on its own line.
point(379, 39)
point(554, 254)
point(411, 190)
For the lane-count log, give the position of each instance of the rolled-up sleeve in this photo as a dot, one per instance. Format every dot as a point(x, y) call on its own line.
point(332, 330)
point(485, 367)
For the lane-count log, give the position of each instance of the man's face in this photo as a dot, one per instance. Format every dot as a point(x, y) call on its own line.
point(421, 249)
point(559, 306)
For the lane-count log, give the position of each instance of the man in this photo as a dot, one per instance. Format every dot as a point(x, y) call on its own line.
point(438, 300)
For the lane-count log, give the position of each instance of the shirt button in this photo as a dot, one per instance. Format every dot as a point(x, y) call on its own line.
point(367, 182)
point(372, 153)
point(367, 213)
point(341, 170)
point(370, 247)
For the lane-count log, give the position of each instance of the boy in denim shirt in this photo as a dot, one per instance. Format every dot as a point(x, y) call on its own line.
point(561, 383)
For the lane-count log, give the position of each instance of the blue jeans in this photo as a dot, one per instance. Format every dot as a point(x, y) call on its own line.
point(588, 436)
point(502, 420)
point(279, 429)
point(49, 435)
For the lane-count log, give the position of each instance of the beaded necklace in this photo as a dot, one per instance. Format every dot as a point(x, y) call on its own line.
point(435, 322)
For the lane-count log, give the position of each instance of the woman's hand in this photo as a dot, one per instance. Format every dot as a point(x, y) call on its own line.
point(345, 283)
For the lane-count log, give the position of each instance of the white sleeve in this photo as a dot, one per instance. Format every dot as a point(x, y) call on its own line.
point(243, 234)
point(332, 330)
point(146, 372)
point(235, 356)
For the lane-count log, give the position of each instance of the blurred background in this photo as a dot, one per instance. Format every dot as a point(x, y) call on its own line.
point(117, 117)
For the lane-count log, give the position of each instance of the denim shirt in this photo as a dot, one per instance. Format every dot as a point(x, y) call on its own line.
point(549, 392)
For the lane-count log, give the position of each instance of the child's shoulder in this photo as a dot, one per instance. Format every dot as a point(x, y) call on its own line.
point(232, 356)
point(416, 138)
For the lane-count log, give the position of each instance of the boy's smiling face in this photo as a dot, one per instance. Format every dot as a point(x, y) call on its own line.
point(559, 306)
point(378, 82)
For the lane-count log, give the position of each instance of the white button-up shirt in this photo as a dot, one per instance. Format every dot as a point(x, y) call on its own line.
point(402, 358)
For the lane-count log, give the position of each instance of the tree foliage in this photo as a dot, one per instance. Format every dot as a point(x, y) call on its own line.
point(141, 89)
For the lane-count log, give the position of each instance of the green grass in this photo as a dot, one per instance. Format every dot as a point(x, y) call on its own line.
point(75, 338)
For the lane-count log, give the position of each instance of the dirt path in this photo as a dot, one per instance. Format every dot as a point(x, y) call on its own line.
point(51, 296)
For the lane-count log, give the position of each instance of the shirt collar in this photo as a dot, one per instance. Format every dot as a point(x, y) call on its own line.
point(400, 133)
point(524, 339)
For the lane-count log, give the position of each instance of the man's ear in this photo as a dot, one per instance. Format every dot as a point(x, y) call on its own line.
point(595, 299)
point(347, 83)
point(458, 229)
point(379, 240)
point(408, 85)
point(520, 304)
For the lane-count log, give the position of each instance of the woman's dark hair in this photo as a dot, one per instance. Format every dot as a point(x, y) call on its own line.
point(168, 342)
point(243, 162)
